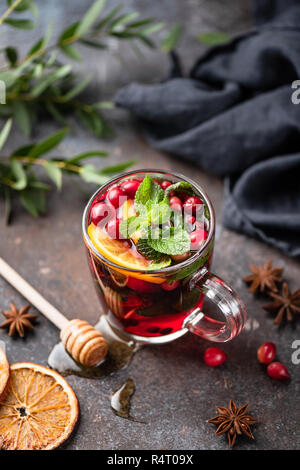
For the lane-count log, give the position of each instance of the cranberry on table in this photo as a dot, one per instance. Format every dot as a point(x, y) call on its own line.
point(112, 228)
point(130, 187)
point(169, 285)
point(191, 203)
point(165, 184)
point(266, 353)
point(278, 371)
point(180, 258)
point(214, 357)
point(114, 195)
point(101, 210)
point(197, 237)
point(176, 203)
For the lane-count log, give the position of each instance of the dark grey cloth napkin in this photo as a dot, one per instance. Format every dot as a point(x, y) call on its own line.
point(235, 118)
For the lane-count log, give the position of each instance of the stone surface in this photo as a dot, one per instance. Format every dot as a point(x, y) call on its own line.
point(175, 391)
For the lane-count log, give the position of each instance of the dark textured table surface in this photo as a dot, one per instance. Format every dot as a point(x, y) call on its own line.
point(175, 391)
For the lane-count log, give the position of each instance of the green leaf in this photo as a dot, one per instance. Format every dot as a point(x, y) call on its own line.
point(5, 132)
point(164, 262)
point(123, 19)
point(108, 18)
point(160, 213)
point(152, 29)
point(55, 113)
point(21, 24)
point(146, 250)
point(48, 144)
point(77, 89)
point(117, 168)
point(148, 190)
point(23, 6)
point(70, 51)
point(33, 201)
point(22, 117)
point(180, 186)
point(41, 43)
point(213, 39)
point(129, 226)
point(172, 39)
point(22, 151)
point(91, 43)
point(90, 17)
point(11, 55)
point(206, 212)
point(104, 105)
point(19, 175)
point(68, 33)
point(54, 173)
point(92, 153)
point(50, 78)
point(144, 22)
point(91, 175)
point(172, 241)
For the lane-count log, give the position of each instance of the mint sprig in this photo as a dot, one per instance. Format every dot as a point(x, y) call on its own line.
point(148, 191)
point(153, 211)
point(171, 241)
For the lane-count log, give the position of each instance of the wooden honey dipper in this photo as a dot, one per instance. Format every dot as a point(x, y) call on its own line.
point(85, 344)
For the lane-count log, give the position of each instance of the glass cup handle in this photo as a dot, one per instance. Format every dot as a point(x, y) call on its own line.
point(228, 303)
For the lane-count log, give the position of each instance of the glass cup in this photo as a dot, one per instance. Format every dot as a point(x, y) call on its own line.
point(139, 309)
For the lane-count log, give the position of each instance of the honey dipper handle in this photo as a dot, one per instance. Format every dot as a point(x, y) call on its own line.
point(32, 295)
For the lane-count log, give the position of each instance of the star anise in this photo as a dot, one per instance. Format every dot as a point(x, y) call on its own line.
point(18, 320)
point(234, 421)
point(263, 277)
point(285, 305)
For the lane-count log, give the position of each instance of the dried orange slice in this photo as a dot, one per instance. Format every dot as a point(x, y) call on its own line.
point(39, 411)
point(4, 373)
point(118, 252)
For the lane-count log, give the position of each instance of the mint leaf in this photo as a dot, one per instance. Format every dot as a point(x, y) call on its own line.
point(146, 250)
point(206, 212)
point(148, 190)
point(129, 226)
point(172, 241)
point(159, 213)
point(180, 186)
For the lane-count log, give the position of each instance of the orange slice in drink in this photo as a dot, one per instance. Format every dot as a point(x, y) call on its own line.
point(4, 374)
point(128, 210)
point(39, 411)
point(118, 252)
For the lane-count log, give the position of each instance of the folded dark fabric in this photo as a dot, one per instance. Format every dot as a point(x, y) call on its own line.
point(234, 117)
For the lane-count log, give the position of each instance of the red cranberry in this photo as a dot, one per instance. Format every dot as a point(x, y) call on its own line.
point(165, 184)
point(214, 357)
point(266, 353)
point(191, 220)
point(176, 204)
point(169, 286)
point(278, 371)
point(180, 258)
point(197, 238)
point(130, 187)
point(114, 195)
point(190, 205)
point(112, 228)
point(100, 211)
point(142, 286)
